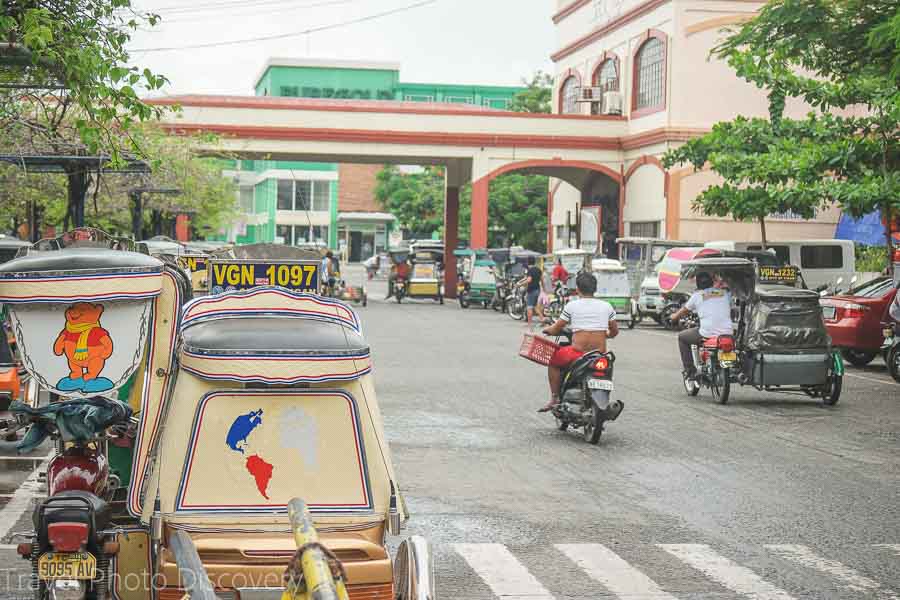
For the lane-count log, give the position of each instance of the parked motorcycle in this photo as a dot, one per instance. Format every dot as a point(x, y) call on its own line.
point(515, 304)
point(72, 545)
point(714, 363)
point(585, 400)
point(891, 347)
point(501, 294)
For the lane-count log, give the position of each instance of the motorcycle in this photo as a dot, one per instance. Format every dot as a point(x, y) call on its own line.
point(515, 304)
point(400, 290)
point(674, 303)
point(558, 301)
point(72, 543)
point(891, 347)
point(585, 399)
point(715, 362)
point(501, 294)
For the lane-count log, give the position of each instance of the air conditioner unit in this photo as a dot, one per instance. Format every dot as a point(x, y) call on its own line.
point(612, 103)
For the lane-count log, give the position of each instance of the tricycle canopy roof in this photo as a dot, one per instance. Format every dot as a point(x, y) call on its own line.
point(267, 251)
point(738, 273)
point(606, 264)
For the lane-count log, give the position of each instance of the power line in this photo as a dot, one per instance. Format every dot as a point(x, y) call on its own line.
point(293, 33)
point(217, 6)
point(270, 10)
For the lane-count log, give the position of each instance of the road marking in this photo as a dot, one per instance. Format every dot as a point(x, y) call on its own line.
point(731, 575)
point(803, 556)
point(873, 379)
point(502, 572)
point(614, 572)
point(21, 499)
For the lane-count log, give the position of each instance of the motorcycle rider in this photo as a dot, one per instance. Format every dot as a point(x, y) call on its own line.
point(592, 322)
point(713, 307)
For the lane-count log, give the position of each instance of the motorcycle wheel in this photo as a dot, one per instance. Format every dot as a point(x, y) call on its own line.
point(893, 362)
point(720, 386)
point(554, 309)
point(593, 429)
point(632, 323)
point(463, 301)
point(516, 311)
point(399, 297)
point(831, 391)
point(665, 318)
point(858, 358)
point(561, 425)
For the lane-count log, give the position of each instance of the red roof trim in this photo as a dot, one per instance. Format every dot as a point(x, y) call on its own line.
point(401, 137)
point(636, 12)
point(567, 11)
point(354, 106)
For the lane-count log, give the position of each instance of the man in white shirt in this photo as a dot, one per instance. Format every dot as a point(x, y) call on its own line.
point(713, 307)
point(592, 322)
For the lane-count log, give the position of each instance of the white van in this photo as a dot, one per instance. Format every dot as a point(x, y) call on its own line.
point(822, 262)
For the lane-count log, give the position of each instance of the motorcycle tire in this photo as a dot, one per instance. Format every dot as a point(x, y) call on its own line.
point(632, 323)
point(893, 362)
point(399, 297)
point(593, 429)
point(690, 386)
point(554, 309)
point(721, 389)
point(858, 358)
point(831, 391)
point(516, 310)
point(463, 301)
point(441, 300)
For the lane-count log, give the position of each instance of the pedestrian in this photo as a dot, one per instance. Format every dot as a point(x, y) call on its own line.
point(532, 283)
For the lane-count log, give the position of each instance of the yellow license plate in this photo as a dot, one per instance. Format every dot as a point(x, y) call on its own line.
point(74, 565)
point(726, 356)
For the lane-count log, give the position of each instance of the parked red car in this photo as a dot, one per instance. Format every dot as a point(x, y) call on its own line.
point(854, 319)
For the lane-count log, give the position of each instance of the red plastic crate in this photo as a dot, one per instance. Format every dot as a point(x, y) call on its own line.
point(537, 349)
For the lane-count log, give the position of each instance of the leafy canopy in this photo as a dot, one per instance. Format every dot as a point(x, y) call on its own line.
point(537, 98)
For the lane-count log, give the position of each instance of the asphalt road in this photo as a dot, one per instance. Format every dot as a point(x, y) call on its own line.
point(770, 497)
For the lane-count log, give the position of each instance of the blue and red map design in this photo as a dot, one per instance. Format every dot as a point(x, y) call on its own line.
point(236, 440)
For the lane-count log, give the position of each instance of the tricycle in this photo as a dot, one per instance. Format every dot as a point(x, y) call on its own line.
point(780, 342)
point(612, 286)
point(240, 402)
point(479, 285)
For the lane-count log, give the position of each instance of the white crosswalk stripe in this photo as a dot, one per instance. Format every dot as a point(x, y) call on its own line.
point(502, 572)
point(607, 567)
point(727, 573)
point(853, 580)
point(509, 579)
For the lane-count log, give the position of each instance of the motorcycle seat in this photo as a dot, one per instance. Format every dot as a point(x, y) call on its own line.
point(713, 342)
point(71, 507)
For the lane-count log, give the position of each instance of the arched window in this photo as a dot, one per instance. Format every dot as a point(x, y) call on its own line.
point(568, 96)
point(606, 77)
point(650, 75)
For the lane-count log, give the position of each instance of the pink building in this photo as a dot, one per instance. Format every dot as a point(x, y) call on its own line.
point(651, 59)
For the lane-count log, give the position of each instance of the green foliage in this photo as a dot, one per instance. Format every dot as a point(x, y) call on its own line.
point(871, 258)
point(537, 98)
point(517, 211)
point(71, 68)
point(842, 58)
point(209, 197)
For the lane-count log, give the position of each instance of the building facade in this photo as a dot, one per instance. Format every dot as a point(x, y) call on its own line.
point(333, 204)
point(654, 56)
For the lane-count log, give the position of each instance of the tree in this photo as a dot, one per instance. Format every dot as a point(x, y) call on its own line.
point(416, 199)
point(537, 98)
point(204, 193)
point(842, 58)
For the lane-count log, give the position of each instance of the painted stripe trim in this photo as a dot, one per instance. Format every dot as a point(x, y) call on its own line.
point(603, 565)
point(852, 579)
point(502, 572)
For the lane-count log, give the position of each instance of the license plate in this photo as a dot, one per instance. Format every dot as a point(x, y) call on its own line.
point(600, 384)
point(728, 356)
point(828, 312)
point(75, 565)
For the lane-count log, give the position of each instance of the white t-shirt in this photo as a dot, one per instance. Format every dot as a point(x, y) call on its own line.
point(713, 306)
point(588, 314)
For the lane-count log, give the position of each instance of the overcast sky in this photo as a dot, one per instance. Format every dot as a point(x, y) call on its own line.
point(447, 41)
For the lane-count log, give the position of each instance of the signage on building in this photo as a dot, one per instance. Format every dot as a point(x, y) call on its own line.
point(342, 93)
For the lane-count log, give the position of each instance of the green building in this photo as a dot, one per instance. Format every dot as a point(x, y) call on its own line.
point(331, 204)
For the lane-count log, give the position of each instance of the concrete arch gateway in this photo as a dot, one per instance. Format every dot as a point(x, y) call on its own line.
point(474, 144)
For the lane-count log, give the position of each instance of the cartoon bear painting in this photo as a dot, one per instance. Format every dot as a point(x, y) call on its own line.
point(87, 346)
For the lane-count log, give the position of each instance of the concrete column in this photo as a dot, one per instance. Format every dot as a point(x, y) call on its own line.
point(479, 233)
point(451, 238)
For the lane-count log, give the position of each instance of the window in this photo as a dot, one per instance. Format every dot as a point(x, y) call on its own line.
point(649, 229)
point(568, 96)
point(459, 99)
point(821, 257)
point(873, 289)
point(284, 233)
point(302, 195)
point(320, 234)
point(245, 202)
point(285, 194)
point(607, 79)
point(783, 253)
point(301, 234)
point(501, 103)
point(418, 98)
point(321, 196)
point(650, 74)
